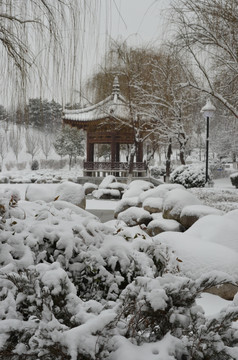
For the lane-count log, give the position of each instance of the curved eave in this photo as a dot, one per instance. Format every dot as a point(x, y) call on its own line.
point(114, 106)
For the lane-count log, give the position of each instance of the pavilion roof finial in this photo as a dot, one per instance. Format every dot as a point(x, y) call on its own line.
point(116, 86)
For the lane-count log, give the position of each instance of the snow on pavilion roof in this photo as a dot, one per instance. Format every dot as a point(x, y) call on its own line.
point(114, 106)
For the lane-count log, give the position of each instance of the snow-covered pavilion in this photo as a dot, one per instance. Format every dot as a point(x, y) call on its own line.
point(107, 122)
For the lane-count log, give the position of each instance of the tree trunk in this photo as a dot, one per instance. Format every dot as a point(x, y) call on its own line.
point(70, 162)
point(168, 159)
point(182, 143)
point(131, 162)
point(131, 159)
point(181, 156)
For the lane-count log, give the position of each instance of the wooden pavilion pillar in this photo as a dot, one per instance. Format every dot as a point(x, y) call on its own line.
point(139, 153)
point(117, 152)
point(90, 150)
point(113, 148)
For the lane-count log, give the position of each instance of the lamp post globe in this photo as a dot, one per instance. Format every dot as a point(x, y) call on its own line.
point(208, 112)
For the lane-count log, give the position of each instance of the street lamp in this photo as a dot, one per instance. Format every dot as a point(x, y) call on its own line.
point(208, 112)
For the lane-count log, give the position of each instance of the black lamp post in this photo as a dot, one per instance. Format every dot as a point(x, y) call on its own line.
point(208, 112)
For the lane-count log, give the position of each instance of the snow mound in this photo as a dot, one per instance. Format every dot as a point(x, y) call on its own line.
point(36, 192)
point(198, 257)
point(136, 187)
point(71, 192)
point(217, 229)
point(164, 349)
point(107, 181)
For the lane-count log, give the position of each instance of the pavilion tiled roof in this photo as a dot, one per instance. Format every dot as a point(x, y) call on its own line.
point(115, 105)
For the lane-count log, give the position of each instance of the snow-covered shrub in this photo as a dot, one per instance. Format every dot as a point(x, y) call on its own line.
point(9, 165)
point(74, 288)
point(53, 164)
point(234, 179)
point(22, 166)
point(165, 306)
point(157, 171)
point(189, 176)
point(35, 165)
point(8, 201)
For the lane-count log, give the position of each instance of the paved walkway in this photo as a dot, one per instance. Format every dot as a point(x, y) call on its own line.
point(102, 214)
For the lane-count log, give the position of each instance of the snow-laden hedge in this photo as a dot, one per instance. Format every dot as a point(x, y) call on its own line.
point(189, 175)
point(73, 288)
point(234, 179)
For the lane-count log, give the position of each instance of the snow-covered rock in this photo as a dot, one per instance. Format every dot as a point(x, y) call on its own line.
point(159, 191)
point(136, 187)
point(226, 291)
point(106, 194)
point(118, 186)
point(36, 192)
point(175, 201)
point(89, 188)
point(210, 244)
point(107, 181)
point(71, 192)
point(157, 226)
point(153, 205)
point(190, 214)
point(124, 204)
point(135, 216)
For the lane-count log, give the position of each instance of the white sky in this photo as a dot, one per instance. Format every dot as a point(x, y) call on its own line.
point(140, 22)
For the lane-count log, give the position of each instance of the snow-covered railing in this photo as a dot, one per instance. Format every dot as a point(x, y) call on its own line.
point(120, 166)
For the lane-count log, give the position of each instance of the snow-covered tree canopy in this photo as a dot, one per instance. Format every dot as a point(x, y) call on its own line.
point(207, 31)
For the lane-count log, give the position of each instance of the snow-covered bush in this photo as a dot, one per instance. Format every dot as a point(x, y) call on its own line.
point(8, 202)
point(157, 171)
point(189, 176)
point(234, 179)
point(73, 288)
point(22, 165)
point(35, 165)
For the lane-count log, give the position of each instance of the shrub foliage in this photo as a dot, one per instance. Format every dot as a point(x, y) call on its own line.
point(189, 176)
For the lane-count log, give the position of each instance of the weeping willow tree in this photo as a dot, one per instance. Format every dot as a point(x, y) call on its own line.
point(42, 45)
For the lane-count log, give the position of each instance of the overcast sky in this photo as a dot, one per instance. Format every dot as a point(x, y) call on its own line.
point(139, 22)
